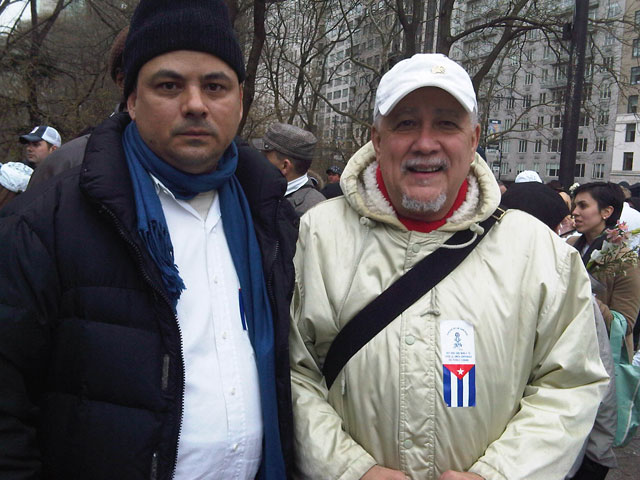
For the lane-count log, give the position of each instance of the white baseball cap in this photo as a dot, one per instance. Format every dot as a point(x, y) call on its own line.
point(425, 70)
point(15, 176)
point(528, 176)
point(42, 132)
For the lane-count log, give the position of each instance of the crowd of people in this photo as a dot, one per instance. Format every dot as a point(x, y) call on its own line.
point(176, 302)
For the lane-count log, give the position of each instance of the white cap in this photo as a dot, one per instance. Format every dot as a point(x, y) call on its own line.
point(425, 70)
point(15, 176)
point(43, 132)
point(528, 176)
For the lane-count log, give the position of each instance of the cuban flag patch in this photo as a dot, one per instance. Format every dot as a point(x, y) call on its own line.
point(457, 346)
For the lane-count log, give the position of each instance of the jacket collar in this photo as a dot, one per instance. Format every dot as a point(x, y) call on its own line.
point(361, 191)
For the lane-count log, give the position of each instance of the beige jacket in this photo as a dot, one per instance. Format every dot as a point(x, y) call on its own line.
point(525, 293)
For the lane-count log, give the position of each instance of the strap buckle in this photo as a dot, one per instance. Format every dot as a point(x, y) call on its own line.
point(499, 213)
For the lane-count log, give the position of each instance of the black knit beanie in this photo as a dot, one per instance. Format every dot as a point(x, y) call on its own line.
point(161, 26)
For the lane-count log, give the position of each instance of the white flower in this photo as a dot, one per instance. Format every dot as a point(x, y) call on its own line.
point(597, 255)
point(573, 187)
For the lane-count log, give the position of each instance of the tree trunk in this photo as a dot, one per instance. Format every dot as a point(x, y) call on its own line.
point(259, 35)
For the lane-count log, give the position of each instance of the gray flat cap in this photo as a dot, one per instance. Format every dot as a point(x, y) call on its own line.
point(290, 140)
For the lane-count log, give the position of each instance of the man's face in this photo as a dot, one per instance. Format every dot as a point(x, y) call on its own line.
point(38, 151)
point(425, 146)
point(187, 106)
point(333, 177)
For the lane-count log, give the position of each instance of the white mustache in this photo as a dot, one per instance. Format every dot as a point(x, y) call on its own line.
point(424, 163)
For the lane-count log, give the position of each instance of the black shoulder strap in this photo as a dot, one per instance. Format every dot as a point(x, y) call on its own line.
point(373, 318)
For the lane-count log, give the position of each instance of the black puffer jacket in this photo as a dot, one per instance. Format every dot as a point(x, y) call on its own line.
point(91, 375)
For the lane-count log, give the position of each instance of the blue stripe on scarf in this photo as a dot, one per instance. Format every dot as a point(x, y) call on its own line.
point(245, 252)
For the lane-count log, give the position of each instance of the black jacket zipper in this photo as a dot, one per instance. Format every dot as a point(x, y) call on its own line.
point(123, 234)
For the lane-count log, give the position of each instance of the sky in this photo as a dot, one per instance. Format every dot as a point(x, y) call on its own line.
point(10, 15)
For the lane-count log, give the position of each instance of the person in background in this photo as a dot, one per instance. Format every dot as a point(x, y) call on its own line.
point(598, 206)
point(333, 189)
point(290, 149)
point(538, 200)
point(40, 143)
point(14, 177)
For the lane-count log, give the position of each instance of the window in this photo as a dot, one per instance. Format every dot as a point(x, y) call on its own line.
point(613, 10)
point(635, 75)
point(579, 171)
point(582, 145)
point(540, 122)
point(545, 75)
point(337, 94)
point(546, 52)
point(520, 168)
point(557, 121)
point(637, 18)
point(627, 161)
point(598, 170)
point(537, 148)
point(511, 102)
point(505, 146)
point(345, 92)
point(553, 169)
point(560, 72)
point(609, 38)
point(528, 78)
point(504, 168)
point(605, 90)
point(524, 124)
point(635, 52)
point(526, 101)
point(508, 123)
point(601, 144)
point(536, 167)
point(554, 145)
point(588, 69)
point(330, 96)
point(630, 132)
point(607, 64)
point(558, 96)
point(584, 120)
point(522, 147)
point(543, 97)
point(603, 117)
point(528, 55)
point(632, 104)
point(586, 93)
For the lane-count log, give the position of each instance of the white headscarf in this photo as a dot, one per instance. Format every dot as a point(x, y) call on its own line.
point(15, 176)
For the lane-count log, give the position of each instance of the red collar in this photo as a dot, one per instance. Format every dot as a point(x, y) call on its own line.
point(418, 225)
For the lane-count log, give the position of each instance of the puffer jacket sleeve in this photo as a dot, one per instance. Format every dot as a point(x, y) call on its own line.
point(323, 449)
point(27, 281)
point(560, 401)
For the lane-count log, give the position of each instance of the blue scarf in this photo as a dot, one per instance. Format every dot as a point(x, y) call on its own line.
point(245, 252)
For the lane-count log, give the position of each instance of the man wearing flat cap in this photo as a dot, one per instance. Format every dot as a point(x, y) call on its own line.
point(490, 372)
point(290, 149)
point(144, 294)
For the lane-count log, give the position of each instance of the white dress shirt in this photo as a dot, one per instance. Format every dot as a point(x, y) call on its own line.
point(221, 434)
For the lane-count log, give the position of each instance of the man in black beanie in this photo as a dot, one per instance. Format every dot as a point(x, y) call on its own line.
point(144, 294)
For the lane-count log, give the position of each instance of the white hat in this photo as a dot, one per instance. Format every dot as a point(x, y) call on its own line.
point(15, 176)
point(43, 132)
point(528, 176)
point(425, 70)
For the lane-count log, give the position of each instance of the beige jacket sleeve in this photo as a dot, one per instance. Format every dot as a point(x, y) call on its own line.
point(560, 402)
point(324, 451)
